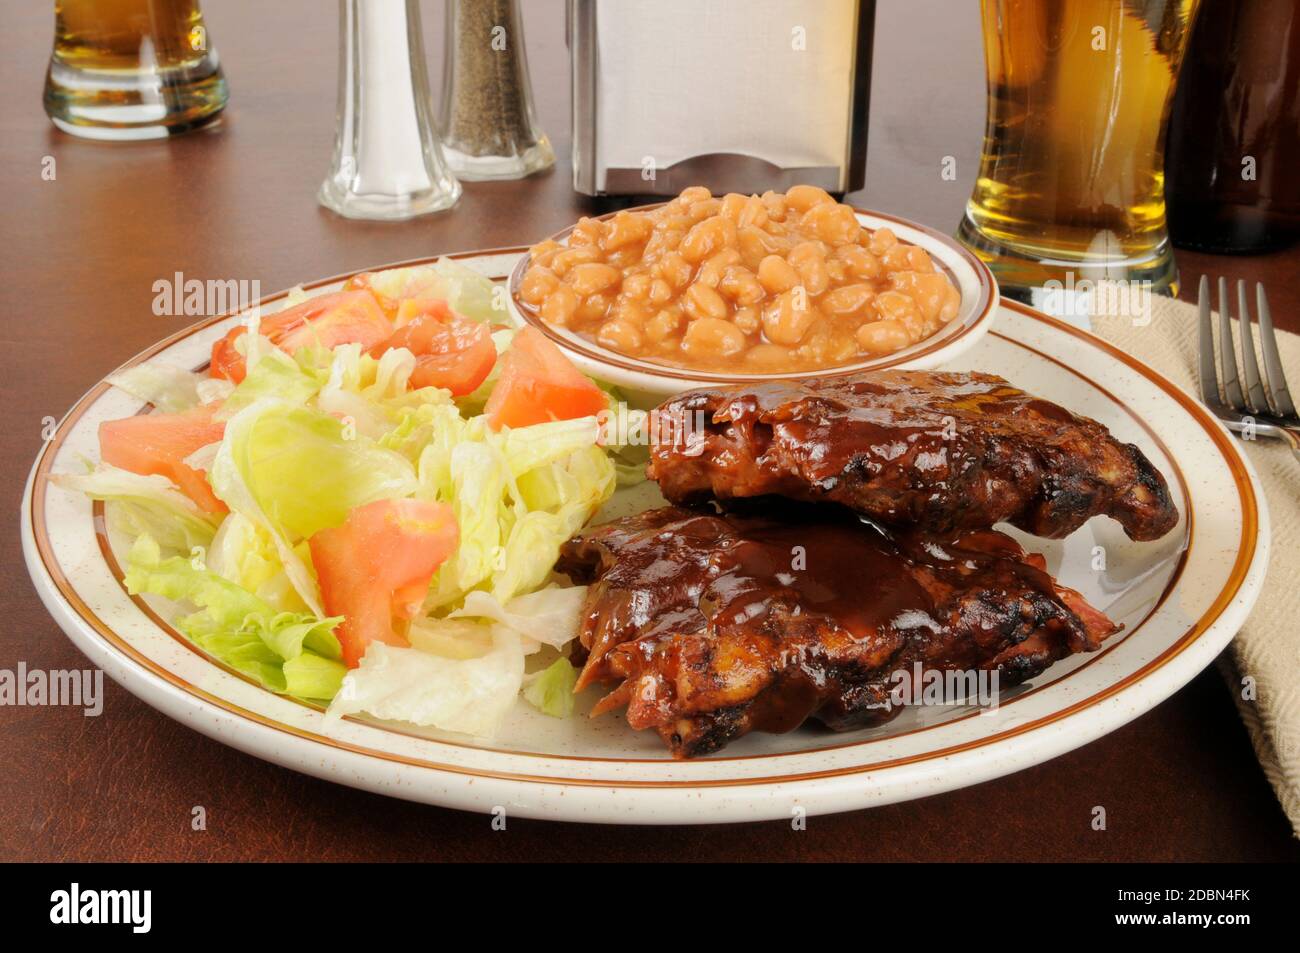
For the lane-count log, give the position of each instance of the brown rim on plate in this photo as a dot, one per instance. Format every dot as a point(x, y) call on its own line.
point(624, 362)
point(1245, 554)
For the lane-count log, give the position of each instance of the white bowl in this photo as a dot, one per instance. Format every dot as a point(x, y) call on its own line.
point(646, 382)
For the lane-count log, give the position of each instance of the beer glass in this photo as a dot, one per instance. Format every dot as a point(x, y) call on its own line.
point(132, 69)
point(1071, 180)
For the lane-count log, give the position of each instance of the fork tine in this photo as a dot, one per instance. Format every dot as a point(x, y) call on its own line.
point(1227, 353)
point(1283, 406)
point(1209, 379)
point(1254, 386)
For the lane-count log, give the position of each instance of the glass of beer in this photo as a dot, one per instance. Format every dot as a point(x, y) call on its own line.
point(132, 69)
point(1071, 180)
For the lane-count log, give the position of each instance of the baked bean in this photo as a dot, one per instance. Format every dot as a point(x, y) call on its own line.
point(626, 229)
point(898, 258)
point(748, 320)
point(803, 197)
point(701, 301)
point(564, 260)
point(809, 260)
point(754, 214)
point(705, 208)
point(586, 232)
point(560, 306)
point(593, 307)
point(625, 259)
point(881, 240)
point(712, 270)
point(774, 202)
point(862, 264)
point(618, 335)
point(664, 324)
point(661, 242)
point(883, 337)
point(780, 282)
point(537, 284)
point(951, 304)
point(591, 277)
point(633, 312)
point(919, 259)
point(675, 270)
point(755, 244)
point(732, 205)
point(710, 336)
point(848, 301)
point(741, 286)
point(833, 224)
point(776, 274)
point(540, 255)
point(787, 319)
point(928, 291)
point(896, 306)
point(706, 237)
point(637, 286)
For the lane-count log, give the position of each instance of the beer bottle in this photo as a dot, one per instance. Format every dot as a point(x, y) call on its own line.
point(1232, 163)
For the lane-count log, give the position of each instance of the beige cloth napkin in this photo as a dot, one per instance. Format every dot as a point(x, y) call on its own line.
point(1268, 646)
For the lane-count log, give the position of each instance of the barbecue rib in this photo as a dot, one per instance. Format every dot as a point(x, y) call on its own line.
point(945, 452)
point(717, 625)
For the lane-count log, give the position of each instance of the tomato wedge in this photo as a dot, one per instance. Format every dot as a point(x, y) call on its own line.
point(538, 383)
point(159, 443)
point(374, 569)
point(344, 317)
point(450, 351)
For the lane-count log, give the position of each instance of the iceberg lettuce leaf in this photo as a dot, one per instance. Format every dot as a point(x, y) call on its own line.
point(137, 505)
point(238, 628)
point(276, 374)
point(468, 695)
point(293, 470)
point(171, 389)
point(550, 616)
point(551, 690)
point(465, 290)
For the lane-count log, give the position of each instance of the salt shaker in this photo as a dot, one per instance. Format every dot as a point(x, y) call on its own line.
point(388, 164)
point(488, 123)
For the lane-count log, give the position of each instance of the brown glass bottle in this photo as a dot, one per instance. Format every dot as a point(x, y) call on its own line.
point(1232, 160)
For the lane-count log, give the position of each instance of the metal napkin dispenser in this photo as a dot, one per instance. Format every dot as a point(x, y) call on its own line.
point(735, 95)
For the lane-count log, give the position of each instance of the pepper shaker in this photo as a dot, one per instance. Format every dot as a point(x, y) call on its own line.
point(488, 123)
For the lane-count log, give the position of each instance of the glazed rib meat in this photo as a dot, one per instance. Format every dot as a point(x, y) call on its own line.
point(713, 625)
point(945, 452)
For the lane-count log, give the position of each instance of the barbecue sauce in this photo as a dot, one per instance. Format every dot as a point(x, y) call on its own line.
point(720, 623)
point(724, 572)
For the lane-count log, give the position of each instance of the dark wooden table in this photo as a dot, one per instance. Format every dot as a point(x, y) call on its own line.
point(80, 255)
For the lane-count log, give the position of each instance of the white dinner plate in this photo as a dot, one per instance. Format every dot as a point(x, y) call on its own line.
point(1181, 600)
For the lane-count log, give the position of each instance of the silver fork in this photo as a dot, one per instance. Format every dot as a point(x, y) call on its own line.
point(1269, 413)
